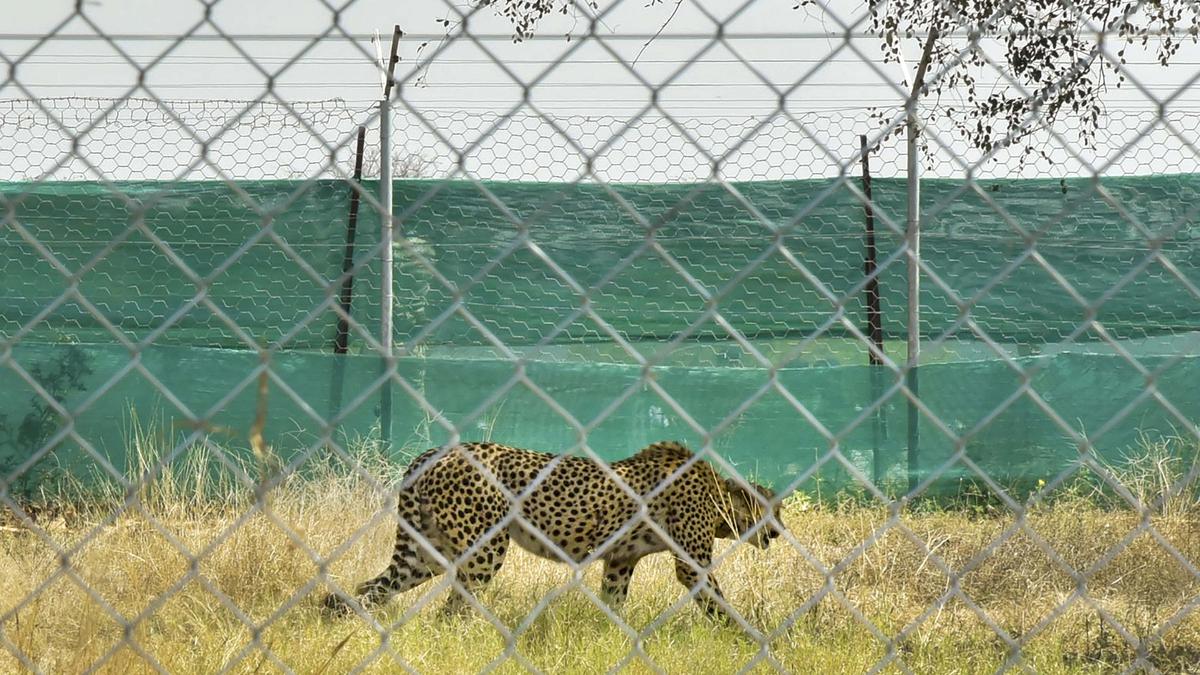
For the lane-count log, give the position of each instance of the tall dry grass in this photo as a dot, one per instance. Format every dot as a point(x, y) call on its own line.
point(210, 577)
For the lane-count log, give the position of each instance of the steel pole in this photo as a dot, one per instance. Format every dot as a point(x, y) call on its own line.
point(387, 299)
point(912, 239)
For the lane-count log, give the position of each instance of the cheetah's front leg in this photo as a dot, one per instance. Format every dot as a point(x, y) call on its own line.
point(709, 595)
point(476, 572)
point(697, 542)
point(617, 574)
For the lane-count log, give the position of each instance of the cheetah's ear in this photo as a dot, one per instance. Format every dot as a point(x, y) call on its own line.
point(735, 489)
point(765, 494)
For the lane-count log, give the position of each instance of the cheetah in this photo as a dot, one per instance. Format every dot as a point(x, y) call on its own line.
point(578, 511)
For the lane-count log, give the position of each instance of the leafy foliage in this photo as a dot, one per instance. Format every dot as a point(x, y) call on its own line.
point(525, 14)
point(20, 439)
point(1054, 58)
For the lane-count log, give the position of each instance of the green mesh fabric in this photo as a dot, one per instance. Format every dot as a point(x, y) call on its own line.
point(1007, 261)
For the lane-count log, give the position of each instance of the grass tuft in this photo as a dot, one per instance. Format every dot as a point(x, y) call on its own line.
point(192, 557)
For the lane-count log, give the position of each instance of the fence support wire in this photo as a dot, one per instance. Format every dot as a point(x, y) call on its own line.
point(672, 312)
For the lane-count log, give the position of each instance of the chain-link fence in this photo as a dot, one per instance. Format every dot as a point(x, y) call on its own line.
point(211, 435)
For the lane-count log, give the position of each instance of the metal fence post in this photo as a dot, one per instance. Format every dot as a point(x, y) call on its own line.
point(874, 312)
point(387, 299)
point(874, 316)
point(912, 240)
point(341, 339)
point(385, 277)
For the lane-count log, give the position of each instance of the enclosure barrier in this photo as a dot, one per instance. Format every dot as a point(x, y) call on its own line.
point(195, 333)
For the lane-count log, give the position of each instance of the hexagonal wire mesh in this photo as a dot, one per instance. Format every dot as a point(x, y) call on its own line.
point(587, 286)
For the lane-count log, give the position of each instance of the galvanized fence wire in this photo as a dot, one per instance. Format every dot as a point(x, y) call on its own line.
point(220, 220)
point(139, 138)
point(111, 142)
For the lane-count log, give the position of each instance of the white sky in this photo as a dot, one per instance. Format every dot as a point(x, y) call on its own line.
point(710, 94)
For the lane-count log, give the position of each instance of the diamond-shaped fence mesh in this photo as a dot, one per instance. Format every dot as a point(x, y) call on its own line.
point(209, 439)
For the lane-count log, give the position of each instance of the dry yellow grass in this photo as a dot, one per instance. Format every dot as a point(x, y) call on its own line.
point(242, 563)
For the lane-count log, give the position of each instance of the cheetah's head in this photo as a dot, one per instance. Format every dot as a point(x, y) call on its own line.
point(743, 511)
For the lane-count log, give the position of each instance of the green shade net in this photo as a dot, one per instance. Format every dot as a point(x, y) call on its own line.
point(523, 312)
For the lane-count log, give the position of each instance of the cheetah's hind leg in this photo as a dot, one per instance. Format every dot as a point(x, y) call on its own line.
point(410, 566)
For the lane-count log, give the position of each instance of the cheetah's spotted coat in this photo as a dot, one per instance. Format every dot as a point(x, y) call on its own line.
point(575, 506)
